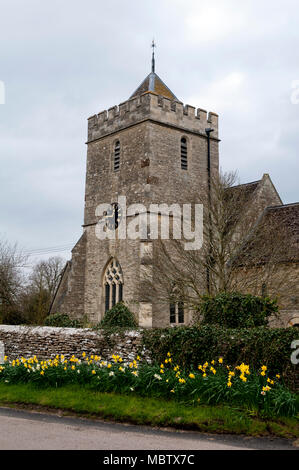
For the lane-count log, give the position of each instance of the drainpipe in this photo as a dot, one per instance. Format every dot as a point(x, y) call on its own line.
point(208, 132)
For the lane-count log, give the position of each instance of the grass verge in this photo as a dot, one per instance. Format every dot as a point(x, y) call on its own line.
point(148, 411)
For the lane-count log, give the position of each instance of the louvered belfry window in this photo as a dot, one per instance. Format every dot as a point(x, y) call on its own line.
point(116, 163)
point(184, 154)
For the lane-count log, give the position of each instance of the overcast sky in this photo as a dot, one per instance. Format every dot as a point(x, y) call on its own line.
point(64, 60)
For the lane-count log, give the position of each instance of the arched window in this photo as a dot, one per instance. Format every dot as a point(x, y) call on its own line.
point(176, 308)
point(184, 154)
point(116, 161)
point(113, 284)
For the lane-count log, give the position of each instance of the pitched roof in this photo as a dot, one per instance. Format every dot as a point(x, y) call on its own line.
point(286, 218)
point(153, 83)
point(275, 236)
point(239, 197)
point(247, 189)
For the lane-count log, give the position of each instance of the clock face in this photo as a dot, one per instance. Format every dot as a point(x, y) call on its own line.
point(113, 216)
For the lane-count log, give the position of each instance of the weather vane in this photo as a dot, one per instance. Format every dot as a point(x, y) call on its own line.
point(153, 55)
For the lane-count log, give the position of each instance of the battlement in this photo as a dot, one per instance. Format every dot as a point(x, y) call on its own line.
point(155, 107)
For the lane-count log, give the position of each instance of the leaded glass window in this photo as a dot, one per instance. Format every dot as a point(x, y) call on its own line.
point(113, 284)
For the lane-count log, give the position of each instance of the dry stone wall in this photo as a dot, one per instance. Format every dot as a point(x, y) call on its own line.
point(47, 342)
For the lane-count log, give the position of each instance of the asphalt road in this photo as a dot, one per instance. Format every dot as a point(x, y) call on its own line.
point(27, 430)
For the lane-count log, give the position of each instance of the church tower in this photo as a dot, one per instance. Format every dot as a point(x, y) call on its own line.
point(151, 149)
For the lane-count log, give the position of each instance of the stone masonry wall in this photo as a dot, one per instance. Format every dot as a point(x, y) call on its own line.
point(149, 128)
point(158, 107)
point(47, 342)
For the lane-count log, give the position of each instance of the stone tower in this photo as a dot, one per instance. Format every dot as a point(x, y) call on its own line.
point(151, 149)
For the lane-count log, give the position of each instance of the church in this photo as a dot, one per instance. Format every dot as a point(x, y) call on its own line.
point(152, 149)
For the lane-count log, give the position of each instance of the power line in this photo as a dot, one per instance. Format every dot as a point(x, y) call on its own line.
point(48, 250)
point(57, 247)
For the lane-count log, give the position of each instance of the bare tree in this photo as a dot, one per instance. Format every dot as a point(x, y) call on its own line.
point(267, 263)
point(26, 299)
point(233, 243)
point(46, 274)
point(43, 281)
point(12, 262)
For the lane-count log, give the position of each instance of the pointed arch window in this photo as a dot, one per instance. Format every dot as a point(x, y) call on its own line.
point(113, 284)
point(184, 154)
point(116, 160)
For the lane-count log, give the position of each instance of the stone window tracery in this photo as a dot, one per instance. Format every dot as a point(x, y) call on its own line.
point(113, 284)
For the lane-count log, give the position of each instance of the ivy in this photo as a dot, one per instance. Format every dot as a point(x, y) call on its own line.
point(236, 310)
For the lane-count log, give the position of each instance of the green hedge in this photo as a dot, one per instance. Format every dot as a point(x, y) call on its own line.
point(118, 316)
point(191, 346)
point(63, 321)
point(236, 310)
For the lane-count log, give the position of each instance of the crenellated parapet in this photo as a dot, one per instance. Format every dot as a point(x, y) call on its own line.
point(151, 106)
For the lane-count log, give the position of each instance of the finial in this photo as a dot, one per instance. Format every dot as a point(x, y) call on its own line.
point(153, 55)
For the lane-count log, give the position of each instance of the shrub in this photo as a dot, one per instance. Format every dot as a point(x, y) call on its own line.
point(258, 346)
point(236, 310)
point(12, 317)
point(118, 316)
point(62, 320)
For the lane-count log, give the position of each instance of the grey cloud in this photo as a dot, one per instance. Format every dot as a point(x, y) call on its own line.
point(64, 61)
